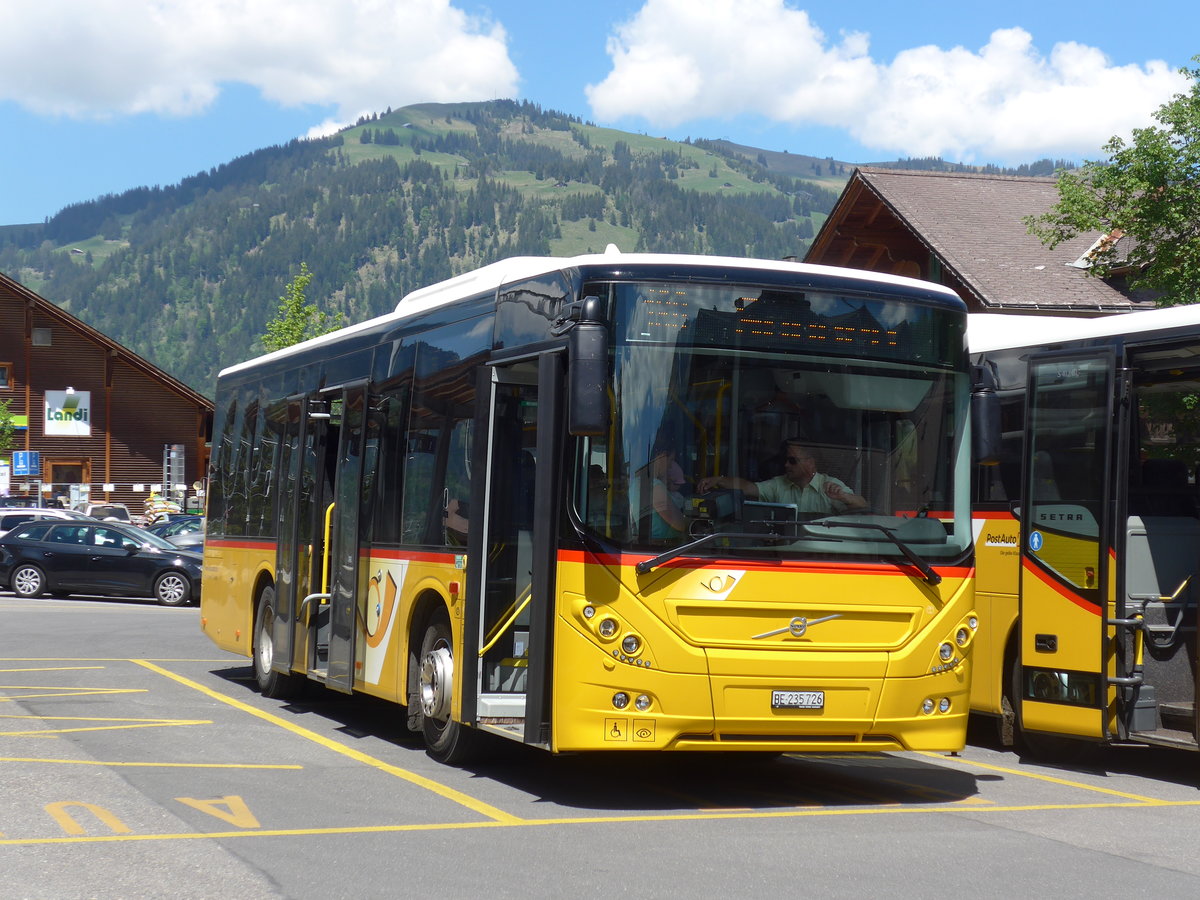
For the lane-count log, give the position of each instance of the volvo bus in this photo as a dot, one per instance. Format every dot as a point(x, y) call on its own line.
point(1088, 541)
point(453, 507)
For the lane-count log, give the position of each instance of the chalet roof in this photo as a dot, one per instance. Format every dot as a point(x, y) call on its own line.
point(44, 306)
point(973, 224)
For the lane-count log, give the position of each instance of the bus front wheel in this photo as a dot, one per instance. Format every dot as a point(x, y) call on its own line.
point(278, 685)
point(446, 741)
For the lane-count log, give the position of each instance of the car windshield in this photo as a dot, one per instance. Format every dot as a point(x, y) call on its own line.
point(754, 414)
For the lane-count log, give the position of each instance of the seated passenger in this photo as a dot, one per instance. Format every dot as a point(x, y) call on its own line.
point(800, 483)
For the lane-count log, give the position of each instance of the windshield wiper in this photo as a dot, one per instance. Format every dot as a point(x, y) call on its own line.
point(685, 549)
point(925, 569)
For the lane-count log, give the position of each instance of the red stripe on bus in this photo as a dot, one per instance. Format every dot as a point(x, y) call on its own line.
point(1059, 589)
point(583, 556)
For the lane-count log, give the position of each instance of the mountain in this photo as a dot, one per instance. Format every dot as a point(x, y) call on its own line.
point(188, 275)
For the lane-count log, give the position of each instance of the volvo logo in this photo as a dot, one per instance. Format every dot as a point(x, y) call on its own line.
point(797, 627)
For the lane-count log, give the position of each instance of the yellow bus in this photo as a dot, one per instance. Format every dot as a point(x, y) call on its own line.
point(1087, 536)
point(486, 506)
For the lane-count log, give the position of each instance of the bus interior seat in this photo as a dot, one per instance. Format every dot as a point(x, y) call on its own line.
point(1044, 481)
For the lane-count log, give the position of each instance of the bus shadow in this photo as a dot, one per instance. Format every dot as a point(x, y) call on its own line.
point(651, 781)
point(725, 781)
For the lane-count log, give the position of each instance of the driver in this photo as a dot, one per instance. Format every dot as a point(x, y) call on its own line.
point(800, 483)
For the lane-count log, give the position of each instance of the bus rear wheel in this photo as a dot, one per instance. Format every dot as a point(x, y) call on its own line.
point(446, 741)
point(278, 685)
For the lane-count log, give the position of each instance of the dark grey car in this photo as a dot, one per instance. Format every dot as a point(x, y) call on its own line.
point(89, 557)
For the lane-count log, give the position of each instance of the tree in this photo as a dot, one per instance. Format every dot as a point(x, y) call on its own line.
point(297, 320)
point(6, 427)
point(1148, 190)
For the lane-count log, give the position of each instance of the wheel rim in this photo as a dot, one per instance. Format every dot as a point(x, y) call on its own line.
point(437, 674)
point(172, 589)
point(27, 581)
point(265, 642)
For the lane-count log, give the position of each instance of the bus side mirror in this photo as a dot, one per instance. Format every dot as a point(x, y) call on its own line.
point(985, 419)
point(587, 397)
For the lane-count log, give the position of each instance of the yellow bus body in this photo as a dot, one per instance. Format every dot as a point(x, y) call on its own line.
point(708, 674)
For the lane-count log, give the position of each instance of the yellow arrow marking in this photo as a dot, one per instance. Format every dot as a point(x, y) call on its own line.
point(235, 811)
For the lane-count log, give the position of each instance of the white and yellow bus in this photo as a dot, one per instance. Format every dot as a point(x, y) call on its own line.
point(1088, 528)
point(458, 507)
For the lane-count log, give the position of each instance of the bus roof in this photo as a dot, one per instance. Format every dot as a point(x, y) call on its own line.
point(995, 331)
point(517, 268)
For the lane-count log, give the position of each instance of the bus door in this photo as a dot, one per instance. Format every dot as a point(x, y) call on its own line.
point(1062, 673)
point(318, 547)
point(516, 579)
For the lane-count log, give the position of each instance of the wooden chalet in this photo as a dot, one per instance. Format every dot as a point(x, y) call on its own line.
point(105, 424)
point(967, 231)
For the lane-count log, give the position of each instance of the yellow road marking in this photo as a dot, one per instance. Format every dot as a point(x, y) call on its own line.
point(58, 691)
point(1052, 780)
point(145, 765)
point(441, 790)
point(124, 723)
point(54, 669)
point(512, 822)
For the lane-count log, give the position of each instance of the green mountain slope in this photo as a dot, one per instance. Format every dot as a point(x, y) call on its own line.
point(188, 275)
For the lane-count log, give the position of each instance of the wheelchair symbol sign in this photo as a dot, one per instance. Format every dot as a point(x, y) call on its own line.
point(1035, 541)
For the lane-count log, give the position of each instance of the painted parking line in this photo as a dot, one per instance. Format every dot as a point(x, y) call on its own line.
point(448, 793)
point(1063, 782)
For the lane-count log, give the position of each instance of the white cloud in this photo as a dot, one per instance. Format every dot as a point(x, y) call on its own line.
point(674, 61)
point(107, 58)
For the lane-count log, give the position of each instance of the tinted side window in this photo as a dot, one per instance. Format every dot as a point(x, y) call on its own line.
point(35, 531)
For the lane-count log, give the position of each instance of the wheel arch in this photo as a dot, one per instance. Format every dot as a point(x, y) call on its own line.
point(427, 604)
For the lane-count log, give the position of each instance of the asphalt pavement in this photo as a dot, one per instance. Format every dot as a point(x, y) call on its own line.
point(138, 761)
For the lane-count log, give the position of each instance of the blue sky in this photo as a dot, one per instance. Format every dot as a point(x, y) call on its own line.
point(107, 95)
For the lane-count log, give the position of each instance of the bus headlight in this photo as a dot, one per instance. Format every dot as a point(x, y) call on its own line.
point(607, 628)
point(927, 706)
point(642, 702)
point(944, 705)
point(620, 700)
point(631, 644)
point(946, 651)
point(962, 636)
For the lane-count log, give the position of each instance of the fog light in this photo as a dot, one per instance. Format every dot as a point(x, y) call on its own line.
point(620, 700)
point(962, 637)
point(927, 706)
point(944, 705)
point(630, 644)
point(589, 612)
point(946, 652)
point(608, 627)
point(642, 702)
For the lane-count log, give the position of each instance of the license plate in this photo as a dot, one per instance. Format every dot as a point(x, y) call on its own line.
point(797, 700)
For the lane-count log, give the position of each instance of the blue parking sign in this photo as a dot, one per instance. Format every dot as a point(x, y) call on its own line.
point(26, 462)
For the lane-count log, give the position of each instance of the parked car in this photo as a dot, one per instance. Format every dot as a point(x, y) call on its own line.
point(109, 512)
point(11, 517)
point(61, 556)
point(20, 500)
point(182, 531)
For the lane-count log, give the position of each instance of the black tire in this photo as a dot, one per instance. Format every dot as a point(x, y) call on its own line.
point(278, 685)
point(172, 589)
point(27, 581)
point(446, 741)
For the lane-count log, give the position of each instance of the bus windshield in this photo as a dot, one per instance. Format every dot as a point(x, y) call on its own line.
point(779, 423)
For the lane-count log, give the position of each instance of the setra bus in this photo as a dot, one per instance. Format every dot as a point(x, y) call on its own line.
point(459, 507)
point(1087, 529)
